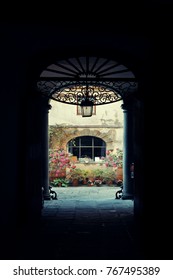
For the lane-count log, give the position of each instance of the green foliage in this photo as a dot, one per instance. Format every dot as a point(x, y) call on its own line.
point(57, 133)
point(75, 174)
point(108, 174)
point(59, 182)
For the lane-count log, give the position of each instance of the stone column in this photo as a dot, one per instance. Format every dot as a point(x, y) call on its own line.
point(127, 151)
point(45, 148)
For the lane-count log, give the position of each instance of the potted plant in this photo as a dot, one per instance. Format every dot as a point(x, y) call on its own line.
point(60, 182)
point(115, 160)
point(109, 176)
point(84, 176)
point(98, 177)
point(91, 178)
point(75, 176)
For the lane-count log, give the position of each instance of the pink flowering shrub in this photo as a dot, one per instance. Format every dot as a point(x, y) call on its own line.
point(114, 160)
point(59, 160)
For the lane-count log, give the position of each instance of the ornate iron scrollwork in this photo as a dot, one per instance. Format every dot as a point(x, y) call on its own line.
point(73, 92)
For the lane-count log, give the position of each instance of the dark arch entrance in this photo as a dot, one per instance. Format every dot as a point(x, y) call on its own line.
point(138, 52)
point(101, 81)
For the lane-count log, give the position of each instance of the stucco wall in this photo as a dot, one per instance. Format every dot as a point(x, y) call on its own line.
point(106, 115)
point(106, 124)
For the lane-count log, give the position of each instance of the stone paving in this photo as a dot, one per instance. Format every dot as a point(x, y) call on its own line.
point(84, 223)
point(89, 223)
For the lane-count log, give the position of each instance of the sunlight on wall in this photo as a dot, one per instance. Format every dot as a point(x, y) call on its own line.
point(106, 115)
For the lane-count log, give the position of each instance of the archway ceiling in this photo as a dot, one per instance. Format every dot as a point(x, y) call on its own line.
point(65, 80)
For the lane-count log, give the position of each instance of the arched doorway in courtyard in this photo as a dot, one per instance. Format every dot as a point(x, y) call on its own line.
point(102, 82)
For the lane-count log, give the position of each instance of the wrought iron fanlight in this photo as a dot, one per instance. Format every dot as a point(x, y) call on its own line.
point(87, 81)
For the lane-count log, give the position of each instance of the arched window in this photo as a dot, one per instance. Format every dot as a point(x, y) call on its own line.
point(87, 146)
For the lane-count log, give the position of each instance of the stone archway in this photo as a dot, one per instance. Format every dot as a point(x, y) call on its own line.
point(92, 132)
point(104, 81)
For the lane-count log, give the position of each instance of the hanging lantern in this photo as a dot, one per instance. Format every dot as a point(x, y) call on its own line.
point(86, 107)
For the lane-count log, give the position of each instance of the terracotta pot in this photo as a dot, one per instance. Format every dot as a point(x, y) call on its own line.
point(75, 182)
point(119, 173)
